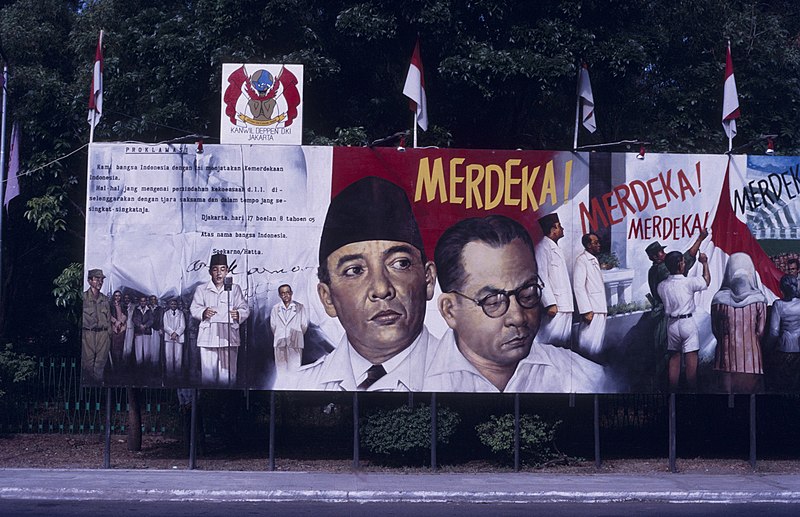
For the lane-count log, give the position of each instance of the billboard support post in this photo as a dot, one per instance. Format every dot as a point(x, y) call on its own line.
point(597, 461)
point(516, 432)
point(672, 467)
point(271, 465)
point(107, 450)
point(433, 431)
point(753, 431)
point(355, 431)
point(193, 433)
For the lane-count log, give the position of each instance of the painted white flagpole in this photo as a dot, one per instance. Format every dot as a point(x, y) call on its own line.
point(577, 110)
point(416, 118)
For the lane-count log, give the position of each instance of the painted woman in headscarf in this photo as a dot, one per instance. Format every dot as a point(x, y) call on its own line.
point(738, 319)
point(784, 329)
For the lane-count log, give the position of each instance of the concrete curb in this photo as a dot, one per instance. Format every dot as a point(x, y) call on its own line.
point(147, 485)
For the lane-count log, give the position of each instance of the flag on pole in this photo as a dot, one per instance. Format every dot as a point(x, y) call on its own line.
point(730, 102)
point(414, 89)
point(12, 183)
point(96, 90)
point(587, 100)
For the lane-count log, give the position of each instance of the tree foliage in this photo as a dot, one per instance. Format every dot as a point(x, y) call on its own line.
point(15, 368)
point(499, 74)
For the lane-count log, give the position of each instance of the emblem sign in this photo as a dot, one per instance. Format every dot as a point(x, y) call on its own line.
point(262, 104)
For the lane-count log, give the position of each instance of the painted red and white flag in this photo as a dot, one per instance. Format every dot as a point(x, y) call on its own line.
point(12, 183)
point(587, 100)
point(414, 89)
point(730, 101)
point(96, 88)
point(731, 235)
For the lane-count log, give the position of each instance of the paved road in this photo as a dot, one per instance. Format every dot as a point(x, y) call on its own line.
point(28, 508)
point(230, 487)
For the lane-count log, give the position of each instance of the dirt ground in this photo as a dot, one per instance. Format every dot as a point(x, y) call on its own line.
point(86, 452)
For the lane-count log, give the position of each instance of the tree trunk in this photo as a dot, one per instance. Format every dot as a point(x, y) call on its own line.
point(134, 420)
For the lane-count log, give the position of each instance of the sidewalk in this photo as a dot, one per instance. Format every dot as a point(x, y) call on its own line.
point(165, 485)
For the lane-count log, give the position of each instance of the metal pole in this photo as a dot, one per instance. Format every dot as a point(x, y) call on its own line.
point(753, 431)
point(597, 461)
point(271, 465)
point(672, 467)
point(355, 431)
point(107, 450)
point(577, 110)
point(516, 432)
point(433, 431)
point(3, 175)
point(193, 433)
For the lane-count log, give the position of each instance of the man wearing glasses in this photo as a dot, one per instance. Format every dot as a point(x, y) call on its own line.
point(491, 300)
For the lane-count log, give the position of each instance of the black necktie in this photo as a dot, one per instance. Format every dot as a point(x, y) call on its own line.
point(375, 372)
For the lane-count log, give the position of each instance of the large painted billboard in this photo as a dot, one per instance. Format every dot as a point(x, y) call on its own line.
point(391, 269)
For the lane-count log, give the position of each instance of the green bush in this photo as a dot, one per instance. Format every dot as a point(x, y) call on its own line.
point(402, 431)
point(536, 438)
point(15, 368)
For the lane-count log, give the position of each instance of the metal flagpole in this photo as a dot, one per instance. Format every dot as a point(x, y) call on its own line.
point(3, 173)
point(91, 129)
point(577, 110)
point(416, 119)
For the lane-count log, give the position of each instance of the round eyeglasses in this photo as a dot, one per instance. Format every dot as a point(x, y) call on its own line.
point(496, 304)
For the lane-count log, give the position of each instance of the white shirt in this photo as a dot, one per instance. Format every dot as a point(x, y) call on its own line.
point(546, 369)
point(337, 370)
point(590, 291)
point(553, 272)
point(784, 324)
point(217, 335)
point(174, 323)
point(677, 292)
point(288, 324)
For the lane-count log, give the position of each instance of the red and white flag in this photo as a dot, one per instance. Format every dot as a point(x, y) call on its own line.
point(587, 100)
point(730, 102)
point(414, 89)
point(96, 89)
point(12, 183)
point(730, 235)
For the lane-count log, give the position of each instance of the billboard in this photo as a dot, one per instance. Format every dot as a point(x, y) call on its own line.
point(391, 269)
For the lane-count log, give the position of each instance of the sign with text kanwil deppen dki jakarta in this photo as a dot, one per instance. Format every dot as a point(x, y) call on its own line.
point(261, 104)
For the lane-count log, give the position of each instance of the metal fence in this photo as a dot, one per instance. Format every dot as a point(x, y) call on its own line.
point(54, 402)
